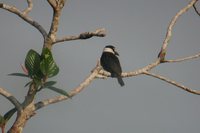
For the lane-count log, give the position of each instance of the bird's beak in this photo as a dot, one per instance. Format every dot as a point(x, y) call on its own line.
point(116, 53)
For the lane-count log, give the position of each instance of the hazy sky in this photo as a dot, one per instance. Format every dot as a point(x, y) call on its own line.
point(137, 29)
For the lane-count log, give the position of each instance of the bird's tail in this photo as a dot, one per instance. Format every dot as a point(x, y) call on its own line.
point(120, 81)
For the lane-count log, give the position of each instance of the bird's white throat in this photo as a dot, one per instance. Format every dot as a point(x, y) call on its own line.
point(108, 50)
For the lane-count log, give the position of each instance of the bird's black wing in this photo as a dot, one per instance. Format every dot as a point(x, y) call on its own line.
point(111, 64)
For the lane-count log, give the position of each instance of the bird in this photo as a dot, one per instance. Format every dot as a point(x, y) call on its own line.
point(110, 62)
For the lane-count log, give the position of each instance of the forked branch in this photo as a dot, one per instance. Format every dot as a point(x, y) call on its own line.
point(29, 8)
point(11, 98)
point(73, 92)
point(50, 39)
point(170, 28)
point(24, 16)
point(145, 70)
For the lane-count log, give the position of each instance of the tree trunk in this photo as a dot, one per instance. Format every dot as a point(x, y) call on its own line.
point(22, 118)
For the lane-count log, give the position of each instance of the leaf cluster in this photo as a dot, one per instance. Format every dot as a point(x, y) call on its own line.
point(39, 68)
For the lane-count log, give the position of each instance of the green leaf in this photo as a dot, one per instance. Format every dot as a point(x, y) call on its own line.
point(9, 114)
point(48, 84)
point(58, 91)
point(2, 120)
point(27, 84)
point(18, 74)
point(32, 63)
point(48, 65)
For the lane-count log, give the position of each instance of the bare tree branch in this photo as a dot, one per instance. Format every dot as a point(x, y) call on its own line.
point(11, 98)
point(86, 35)
point(57, 6)
point(171, 25)
point(194, 6)
point(183, 59)
point(29, 8)
point(103, 74)
point(73, 92)
point(97, 72)
point(29, 105)
point(54, 25)
point(161, 57)
point(23, 15)
point(22, 118)
point(172, 82)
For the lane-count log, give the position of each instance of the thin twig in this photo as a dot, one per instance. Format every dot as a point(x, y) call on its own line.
point(29, 8)
point(170, 27)
point(172, 82)
point(194, 6)
point(182, 59)
point(11, 98)
point(16, 11)
point(86, 35)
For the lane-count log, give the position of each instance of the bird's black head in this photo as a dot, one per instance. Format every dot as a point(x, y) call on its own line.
point(111, 49)
point(110, 46)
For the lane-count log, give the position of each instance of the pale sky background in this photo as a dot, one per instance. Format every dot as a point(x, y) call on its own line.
point(137, 29)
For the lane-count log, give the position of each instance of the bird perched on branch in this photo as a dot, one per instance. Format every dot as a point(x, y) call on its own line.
point(110, 62)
